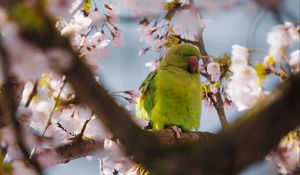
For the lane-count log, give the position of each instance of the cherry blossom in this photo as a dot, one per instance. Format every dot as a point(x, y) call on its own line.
point(52, 112)
point(213, 69)
point(58, 8)
point(28, 62)
point(243, 87)
point(295, 61)
point(244, 94)
point(153, 65)
point(97, 18)
point(280, 38)
point(142, 7)
point(189, 24)
point(78, 25)
point(286, 157)
point(239, 57)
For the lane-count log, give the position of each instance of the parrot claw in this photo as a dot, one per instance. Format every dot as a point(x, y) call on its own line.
point(177, 131)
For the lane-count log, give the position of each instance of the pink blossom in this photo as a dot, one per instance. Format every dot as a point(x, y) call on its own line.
point(213, 69)
point(142, 7)
point(158, 44)
point(280, 38)
point(295, 61)
point(239, 57)
point(243, 88)
point(59, 8)
point(143, 51)
point(133, 93)
point(189, 24)
point(118, 39)
point(97, 18)
point(153, 65)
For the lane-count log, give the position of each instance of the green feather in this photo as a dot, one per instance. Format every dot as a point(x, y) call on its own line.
point(146, 101)
point(171, 95)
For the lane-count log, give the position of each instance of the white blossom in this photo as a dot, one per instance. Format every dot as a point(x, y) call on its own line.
point(97, 18)
point(153, 65)
point(280, 38)
point(189, 24)
point(295, 61)
point(243, 87)
point(213, 69)
point(59, 8)
point(239, 57)
point(79, 24)
point(142, 7)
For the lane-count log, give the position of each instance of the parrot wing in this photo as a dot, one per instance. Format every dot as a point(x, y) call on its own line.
point(146, 102)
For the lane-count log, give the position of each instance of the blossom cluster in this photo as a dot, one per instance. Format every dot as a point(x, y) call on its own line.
point(49, 111)
point(51, 114)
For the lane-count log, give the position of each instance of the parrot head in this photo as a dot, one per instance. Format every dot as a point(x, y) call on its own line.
point(184, 56)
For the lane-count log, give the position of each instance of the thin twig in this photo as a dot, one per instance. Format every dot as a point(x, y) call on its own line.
point(215, 98)
point(32, 94)
point(48, 122)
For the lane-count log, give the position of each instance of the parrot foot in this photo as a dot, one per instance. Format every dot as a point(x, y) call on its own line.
point(177, 131)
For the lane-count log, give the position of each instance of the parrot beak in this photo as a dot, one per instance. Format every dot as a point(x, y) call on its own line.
point(193, 64)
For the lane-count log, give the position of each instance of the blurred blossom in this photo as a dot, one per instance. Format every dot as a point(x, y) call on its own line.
point(239, 57)
point(110, 145)
point(24, 114)
point(143, 51)
point(142, 7)
point(153, 65)
point(287, 155)
point(189, 24)
point(28, 62)
point(118, 39)
point(280, 38)
point(58, 8)
point(97, 18)
point(295, 61)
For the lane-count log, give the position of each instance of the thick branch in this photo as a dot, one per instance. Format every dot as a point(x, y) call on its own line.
point(166, 137)
point(247, 140)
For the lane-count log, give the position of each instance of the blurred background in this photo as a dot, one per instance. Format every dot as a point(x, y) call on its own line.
point(125, 70)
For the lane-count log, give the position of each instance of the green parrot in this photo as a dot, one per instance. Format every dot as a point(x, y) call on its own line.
point(171, 95)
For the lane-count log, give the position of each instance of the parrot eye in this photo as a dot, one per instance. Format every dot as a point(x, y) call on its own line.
point(192, 64)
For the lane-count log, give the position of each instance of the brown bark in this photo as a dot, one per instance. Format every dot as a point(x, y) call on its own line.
point(246, 141)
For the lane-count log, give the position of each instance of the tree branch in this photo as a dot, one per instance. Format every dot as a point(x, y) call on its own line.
point(215, 98)
point(248, 140)
point(166, 137)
